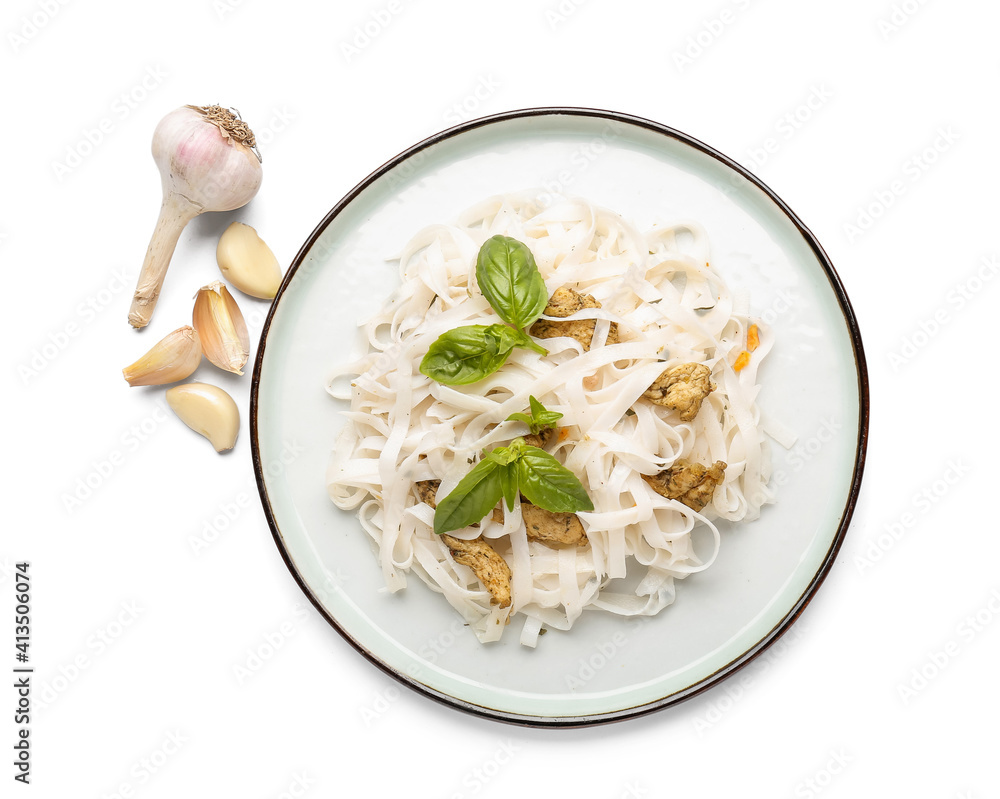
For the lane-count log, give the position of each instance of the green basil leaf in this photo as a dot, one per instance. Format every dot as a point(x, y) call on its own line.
point(521, 417)
point(462, 356)
point(510, 281)
point(548, 484)
point(528, 343)
point(508, 482)
point(503, 455)
point(547, 419)
point(475, 495)
point(539, 419)
point(501, 339)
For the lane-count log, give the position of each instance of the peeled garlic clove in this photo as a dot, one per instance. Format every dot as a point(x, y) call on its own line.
point(171, 359)
point(219, 321)
point(208, 410)
point(247, 262)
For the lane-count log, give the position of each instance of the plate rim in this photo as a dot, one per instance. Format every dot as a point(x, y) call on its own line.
point(747, 656)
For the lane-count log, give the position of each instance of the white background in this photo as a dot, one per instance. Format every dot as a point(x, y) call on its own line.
point(139, 634)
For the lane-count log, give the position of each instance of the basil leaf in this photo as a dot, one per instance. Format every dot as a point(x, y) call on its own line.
point(548, 484)
point(475, 495)
point(508, 483)
point(510, 281)
point(547, 419)
point(503, 455)
point(501, 339)
point(462, 356)
point(539, 419)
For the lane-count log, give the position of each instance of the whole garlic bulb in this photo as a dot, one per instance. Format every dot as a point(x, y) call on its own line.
point(207, 162)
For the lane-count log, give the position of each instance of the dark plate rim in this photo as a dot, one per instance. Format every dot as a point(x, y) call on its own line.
point(862, 443)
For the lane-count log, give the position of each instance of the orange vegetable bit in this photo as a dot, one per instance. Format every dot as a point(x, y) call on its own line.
point(753, 338)
point(741, 361)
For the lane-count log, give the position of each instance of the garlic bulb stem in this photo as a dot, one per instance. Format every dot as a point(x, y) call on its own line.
point(175, 212)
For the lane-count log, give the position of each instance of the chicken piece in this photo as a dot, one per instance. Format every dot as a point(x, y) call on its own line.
point(566, 302)
point(427, 492)
point(543, 438)
point(690, 483)
point(682, 388)
point(552, 529)
point(491, 569)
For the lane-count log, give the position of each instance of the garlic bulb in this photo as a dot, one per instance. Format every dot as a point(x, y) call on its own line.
point(247, 262)
point(172, 358)
point(208, 410)
point(207, 162)
point(221, 327)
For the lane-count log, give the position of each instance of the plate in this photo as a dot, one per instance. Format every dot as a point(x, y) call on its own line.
point(607, 668)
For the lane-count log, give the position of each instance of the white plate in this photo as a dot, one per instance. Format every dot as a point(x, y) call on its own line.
point(814, 382)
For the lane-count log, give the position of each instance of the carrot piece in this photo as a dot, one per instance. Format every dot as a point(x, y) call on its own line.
point(741, 361)
point(753, 338)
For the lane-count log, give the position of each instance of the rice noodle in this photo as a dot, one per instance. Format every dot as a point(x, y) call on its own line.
point(670, 306)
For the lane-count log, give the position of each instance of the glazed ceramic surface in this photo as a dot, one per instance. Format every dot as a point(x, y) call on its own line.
point(813, 383)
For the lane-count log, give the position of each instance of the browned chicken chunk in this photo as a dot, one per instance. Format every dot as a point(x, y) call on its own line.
point(542, 439)
point(566, 302)
point(690, 483)
point(552, 529)
point(682, 388)
point(491, 569)
point(427, 491)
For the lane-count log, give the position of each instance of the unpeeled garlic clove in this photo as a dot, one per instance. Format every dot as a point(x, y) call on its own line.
point(247, 262)
point(219, 321)
point(208, 410)
point(172, 358)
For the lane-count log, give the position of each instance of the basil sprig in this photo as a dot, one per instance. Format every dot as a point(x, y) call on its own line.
point(467, 354)
point(513, 286)
point(539, 419)
point(510, 281)
point(502, 473)
point(476, 495)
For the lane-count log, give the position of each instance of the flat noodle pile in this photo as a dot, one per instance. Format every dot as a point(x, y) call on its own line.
point(671, 308)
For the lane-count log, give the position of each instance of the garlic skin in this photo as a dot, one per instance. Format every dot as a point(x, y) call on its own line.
point(247, 262)
point(221, 327)
point(209, 411)
point(172, 358)
point(207, 162)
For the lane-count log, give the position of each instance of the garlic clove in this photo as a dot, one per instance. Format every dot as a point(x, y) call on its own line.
point(247, 262)
point(172, 358)
point(219, 321)
point(208, 410)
